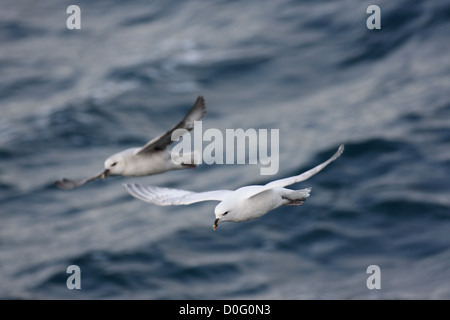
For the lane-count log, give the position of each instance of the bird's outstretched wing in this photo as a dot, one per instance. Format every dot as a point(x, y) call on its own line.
point(301, 177)
point(161, 142)
point(172, 197)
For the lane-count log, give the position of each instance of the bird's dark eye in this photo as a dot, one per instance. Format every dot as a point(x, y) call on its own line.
point(226, 213)
point(113, 164)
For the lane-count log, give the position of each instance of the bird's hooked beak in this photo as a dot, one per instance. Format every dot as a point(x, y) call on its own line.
point(105, 174)
point(216, 223)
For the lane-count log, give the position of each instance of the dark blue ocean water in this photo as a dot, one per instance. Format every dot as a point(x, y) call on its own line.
point(312, 69)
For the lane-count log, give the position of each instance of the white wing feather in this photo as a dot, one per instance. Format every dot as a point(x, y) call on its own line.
point(305, 175)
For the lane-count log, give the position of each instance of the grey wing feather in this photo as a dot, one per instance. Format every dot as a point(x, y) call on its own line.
point(169, 197)
point(161, 142)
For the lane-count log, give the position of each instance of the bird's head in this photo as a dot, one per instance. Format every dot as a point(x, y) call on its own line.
point(114, 165)
point(223, 212)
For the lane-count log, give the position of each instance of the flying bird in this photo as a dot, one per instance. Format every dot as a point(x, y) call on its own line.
point(246, 203)
point(152, 158)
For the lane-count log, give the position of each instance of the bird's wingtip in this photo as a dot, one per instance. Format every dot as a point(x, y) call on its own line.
point(339, 151)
